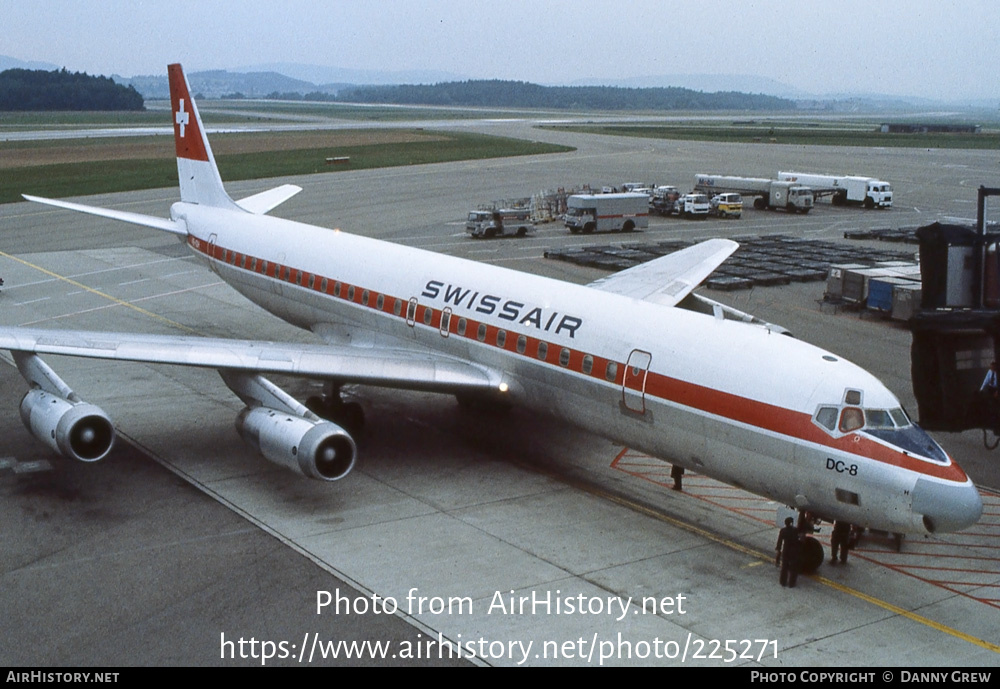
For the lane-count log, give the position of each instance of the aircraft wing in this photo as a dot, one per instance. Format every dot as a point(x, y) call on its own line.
point(398, 368)
point(669, 279)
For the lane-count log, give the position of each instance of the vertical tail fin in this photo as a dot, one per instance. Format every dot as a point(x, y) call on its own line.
point(199, 177)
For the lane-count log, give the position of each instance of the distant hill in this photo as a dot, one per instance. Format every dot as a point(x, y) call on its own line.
point(8, 62)
point(221, 83)
point(317, 74)
point(527, 95)
point(36, 89)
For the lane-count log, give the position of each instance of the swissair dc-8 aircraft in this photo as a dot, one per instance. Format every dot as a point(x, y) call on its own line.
point(637, 357)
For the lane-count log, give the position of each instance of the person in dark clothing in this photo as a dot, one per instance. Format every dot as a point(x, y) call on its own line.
point(787, 553)
point(839, 540)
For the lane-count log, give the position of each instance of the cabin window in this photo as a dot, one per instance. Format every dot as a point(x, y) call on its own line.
point(564, 357)
point(522, 344)
point(263, 267)
point(336, 289)
point(243, 261)
point(543, 350)
point(611, 371)
point(253, 265)
point(501, 338)
point(428, 315)
point(481, 334)
point(380, 302)
point(462, 325)
point(323, 284)
point(397, 307)
point(350, 293)
point(588, 364)
point(298, 277)
point(312, 282)
point(365, 296)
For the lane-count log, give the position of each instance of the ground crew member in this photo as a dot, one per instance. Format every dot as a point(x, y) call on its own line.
point(787, 553)
point(839, 540)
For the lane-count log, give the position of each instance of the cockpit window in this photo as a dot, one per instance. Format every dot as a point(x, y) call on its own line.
point(852, 397)
point(851, 419)
point(878, 418)
point(827, 418)
point(900, 417)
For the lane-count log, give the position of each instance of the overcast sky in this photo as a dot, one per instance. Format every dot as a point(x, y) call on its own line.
point(930, 48)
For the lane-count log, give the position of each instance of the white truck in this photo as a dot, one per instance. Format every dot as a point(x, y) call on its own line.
point(768, 193)
point(693, 205)
point(500, 222)
point(845, 189)
point(606, 212)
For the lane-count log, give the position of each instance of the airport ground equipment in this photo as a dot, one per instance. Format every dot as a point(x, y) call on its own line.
point(663, 200)
point(956, 333)
point(499, 222)
point(768, 193)
point(726, 205)
point(844, 189)
point(589, 213)
point(693, 206)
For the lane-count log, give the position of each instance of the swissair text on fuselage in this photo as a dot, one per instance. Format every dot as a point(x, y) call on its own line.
point(509, 310)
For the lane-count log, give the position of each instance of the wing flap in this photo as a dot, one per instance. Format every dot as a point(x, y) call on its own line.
point(667, 280)
point(398, 368)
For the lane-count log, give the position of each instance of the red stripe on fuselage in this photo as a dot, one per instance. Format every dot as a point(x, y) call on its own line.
point(728, 406)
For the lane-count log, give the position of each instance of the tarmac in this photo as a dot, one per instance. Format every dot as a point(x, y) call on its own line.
point(462, 537)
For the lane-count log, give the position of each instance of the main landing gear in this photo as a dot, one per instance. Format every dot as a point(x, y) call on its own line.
point(332, 407)
point(811, 555)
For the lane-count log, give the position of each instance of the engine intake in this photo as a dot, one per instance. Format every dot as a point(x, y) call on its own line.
point(316, 449)
point(77, 430)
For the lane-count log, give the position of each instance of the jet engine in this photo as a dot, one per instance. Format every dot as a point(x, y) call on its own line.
point(78, 430)
point(315, 449)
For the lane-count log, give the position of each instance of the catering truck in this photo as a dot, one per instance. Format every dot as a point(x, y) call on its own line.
point(606, 212)
point(845, 189)
point(768, 193)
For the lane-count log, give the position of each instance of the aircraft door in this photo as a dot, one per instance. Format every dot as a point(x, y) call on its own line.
point(634, 381)
point(212, 238)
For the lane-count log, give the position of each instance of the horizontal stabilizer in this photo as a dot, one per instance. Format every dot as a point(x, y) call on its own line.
point(669, 279)
point(165, 224)
point(265, 201)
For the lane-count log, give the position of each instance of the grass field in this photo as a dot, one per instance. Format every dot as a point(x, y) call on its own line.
point(94, 166)
point(811, 134)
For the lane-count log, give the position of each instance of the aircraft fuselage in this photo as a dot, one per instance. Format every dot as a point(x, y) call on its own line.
point(737, 402)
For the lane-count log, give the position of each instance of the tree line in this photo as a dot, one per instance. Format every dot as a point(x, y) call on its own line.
point(30, 89)
point(497, 93)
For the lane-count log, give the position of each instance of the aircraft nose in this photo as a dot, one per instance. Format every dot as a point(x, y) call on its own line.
point(947, 507)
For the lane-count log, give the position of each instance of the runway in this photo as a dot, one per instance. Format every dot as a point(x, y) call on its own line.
point(500, 539)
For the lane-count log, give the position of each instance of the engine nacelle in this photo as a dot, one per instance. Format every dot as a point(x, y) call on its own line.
point(315, 449)
point(77, 430)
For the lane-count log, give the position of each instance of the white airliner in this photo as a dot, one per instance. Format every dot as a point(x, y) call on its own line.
point(636, 357)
